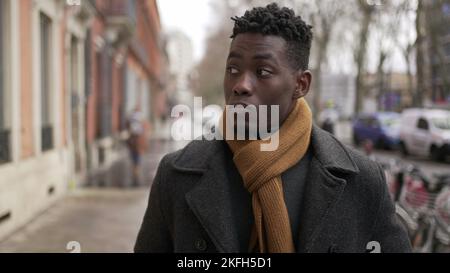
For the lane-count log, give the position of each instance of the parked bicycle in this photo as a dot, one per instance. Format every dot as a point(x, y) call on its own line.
point(422, 205)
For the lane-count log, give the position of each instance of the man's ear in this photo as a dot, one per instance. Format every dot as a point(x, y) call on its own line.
point(304, 79)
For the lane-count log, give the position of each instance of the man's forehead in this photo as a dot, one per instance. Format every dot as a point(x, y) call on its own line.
point(256, 46)
point(256, 40)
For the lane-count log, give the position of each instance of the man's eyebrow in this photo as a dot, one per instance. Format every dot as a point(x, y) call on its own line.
point(234, 55)
point(266, 57)
point(258, 56)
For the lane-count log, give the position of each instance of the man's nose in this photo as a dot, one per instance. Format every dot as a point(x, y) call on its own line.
point(244, 86)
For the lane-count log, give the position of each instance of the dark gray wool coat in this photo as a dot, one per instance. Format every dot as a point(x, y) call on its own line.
point(198, 203)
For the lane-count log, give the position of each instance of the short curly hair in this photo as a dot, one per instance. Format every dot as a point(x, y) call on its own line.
point(273, 20)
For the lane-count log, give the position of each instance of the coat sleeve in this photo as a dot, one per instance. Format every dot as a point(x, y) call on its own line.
point(388, 230)
point(154, 235)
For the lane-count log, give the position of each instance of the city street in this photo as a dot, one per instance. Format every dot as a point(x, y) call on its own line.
point(429, 167)
point(99, 219)
point(108, 219)
point(93, 93)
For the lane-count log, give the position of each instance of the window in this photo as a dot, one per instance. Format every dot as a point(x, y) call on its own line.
point(104, 99)
point(5, 154)
point(75, 106)
point(2, 39)
point(373, 122)
point(422, 124)
point(390, 122)
point(99, 87)
point(442, 123)
point(362, 121)
point(46, 64)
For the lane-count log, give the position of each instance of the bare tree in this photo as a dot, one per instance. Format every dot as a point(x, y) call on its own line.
point(324, 16)
point(387, 28)
point(405, 39)
point(436, 24)
point(367, 10)
point(211, 68)
point(420, 53)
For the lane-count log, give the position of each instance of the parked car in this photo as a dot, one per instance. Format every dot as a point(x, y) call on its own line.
point(381, 128)
point(425, 132)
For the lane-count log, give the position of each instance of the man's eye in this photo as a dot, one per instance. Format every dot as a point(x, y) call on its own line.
point(232, 70)
point(264, 72)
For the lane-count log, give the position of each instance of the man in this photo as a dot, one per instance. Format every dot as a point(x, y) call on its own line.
point(136, 141)
point(311, 194)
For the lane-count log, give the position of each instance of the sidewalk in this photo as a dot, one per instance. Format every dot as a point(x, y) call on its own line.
point(99, 219)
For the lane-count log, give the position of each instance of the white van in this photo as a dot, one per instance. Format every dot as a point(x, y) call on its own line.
point(425, 132)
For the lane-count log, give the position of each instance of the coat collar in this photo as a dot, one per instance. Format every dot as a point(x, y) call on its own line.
point(331, 154)
point(211, 202)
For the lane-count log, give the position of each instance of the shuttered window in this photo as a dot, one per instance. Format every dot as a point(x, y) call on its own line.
point(45, 56)
point(5, 138)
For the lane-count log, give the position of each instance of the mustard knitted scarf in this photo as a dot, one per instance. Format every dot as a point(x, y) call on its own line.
point(261, 172)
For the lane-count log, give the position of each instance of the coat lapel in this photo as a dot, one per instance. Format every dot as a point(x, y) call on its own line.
point(321, 195)
point(210, 199)
point(324, 186)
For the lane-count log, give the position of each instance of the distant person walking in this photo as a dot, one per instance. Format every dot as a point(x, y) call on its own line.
point(137, 141)
point(328, 126)
point(328, 118)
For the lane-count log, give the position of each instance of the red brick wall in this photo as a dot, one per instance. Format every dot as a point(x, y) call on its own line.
point(147, 34)
point(26, 80)
point(91, 111)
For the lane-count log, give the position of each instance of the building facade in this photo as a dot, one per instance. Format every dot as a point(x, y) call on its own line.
point(70, 73)
point(180, 51)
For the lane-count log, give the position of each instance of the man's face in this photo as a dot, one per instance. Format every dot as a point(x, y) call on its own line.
point(258, 73)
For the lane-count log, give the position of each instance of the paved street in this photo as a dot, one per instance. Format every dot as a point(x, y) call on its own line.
point(428, 166)
point(99, 219)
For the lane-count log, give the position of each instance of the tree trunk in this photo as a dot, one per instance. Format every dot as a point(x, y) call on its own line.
point(361, 54)
point(380, 79)
point(420, 62)
point(318, 79)
point(408, 72)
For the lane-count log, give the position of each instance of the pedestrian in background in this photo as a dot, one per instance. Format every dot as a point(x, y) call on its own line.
point(329, 117)
point(137, 141)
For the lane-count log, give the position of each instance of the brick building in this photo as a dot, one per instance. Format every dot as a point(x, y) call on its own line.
point(70, 73)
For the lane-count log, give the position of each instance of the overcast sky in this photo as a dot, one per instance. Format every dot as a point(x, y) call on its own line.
point(194, 17)
point(191, 17)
